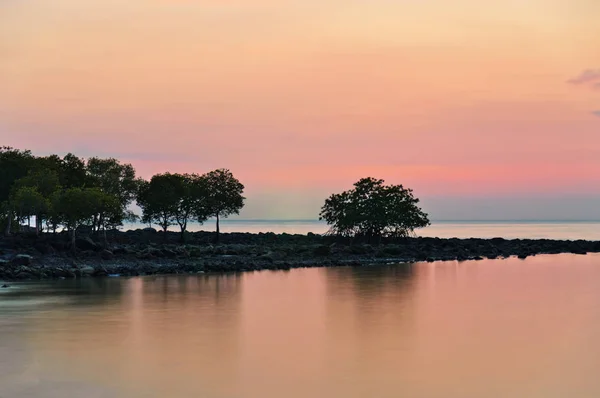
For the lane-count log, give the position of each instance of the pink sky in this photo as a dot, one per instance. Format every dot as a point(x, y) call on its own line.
point(456, 99)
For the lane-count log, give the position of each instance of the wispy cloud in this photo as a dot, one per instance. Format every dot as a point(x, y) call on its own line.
point(588, 76)
point(597, 113)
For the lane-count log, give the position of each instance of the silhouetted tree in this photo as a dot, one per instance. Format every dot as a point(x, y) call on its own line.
point(373, 210)
point(45, 182)
point(27, 201)
point(74, 207)
point(116, 180)
point(73, 172)
point(14, 164)
point(170, 199)
point(223, 196)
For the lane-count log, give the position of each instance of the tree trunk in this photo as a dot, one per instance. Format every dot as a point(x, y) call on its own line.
point(8, 223)
point(164, 228)
point(218, 230)
point(73, 247)
point(105, 239)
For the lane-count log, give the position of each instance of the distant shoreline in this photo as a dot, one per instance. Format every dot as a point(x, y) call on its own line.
point(145, 252)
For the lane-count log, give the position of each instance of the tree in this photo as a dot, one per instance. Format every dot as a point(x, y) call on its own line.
point(116, 180)
point(76, 206)
point(14, 164)
point(222, 196)
point(27, 201)
point(373, 210)
point(170, 199)
point(72, 173)
point(45, 182)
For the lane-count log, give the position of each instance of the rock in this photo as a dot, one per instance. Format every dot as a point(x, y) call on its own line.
point(88, 270)
point(99, 272)
point(120, 250)
point(106, 254)
point(86, 244)
point(168, 253)
point(22, 259)
point(44, 248)
point(322, 250)
point(24, 272)
point(59, 246)
point(64, 273)
point(5, 286)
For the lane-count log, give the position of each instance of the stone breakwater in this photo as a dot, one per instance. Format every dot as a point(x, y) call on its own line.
point(147, 252)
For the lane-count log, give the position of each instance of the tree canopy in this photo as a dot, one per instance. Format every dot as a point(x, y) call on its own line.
point(224, 195)
point(59, 191)
point(169, 199)
point(372, 210)
point(174, 199)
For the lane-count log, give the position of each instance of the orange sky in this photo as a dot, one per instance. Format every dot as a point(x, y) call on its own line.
point(300, 98)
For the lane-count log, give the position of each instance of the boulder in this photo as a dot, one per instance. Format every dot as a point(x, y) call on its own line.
point(120, 251)
point(22, 259)
point(106, 254)
point(88, 270)
point(44, 248)
point(5, 286)
point(168, 253)
point(24, 272)
point(64, 273)
point(322, 250)
point(86, 244)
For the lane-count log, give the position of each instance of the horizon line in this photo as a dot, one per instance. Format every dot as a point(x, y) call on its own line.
point(515, 220)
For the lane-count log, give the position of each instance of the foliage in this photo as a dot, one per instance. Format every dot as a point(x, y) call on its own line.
point(68, 192)
point(373, 210)
point(74, 207)
point(45, 181)
point(223, 195)
point(72, 172)
point(14, 164)
point(170, 199)
point(117, 181)
point(27, 201)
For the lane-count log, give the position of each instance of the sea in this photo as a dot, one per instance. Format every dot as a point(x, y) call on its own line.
point(511, 229)
point(492, 328)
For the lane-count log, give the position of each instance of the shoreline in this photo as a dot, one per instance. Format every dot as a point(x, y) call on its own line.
point(148, 252)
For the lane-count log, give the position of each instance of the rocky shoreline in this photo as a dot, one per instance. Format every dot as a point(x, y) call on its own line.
point(148, 252)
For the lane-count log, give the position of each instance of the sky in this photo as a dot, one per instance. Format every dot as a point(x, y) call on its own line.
point(488, 110)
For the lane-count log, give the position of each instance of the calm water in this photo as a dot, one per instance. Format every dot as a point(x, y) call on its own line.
point(441, 229)
point(494, 328)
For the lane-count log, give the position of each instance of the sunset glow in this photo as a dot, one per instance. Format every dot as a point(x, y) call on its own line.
point(302, 98)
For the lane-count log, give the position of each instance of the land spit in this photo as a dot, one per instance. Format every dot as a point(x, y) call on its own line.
point(148, 252)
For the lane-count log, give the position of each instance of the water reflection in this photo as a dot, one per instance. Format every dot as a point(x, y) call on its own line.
point(491, 328)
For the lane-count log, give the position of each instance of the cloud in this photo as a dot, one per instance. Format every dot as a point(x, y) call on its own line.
point(597, 113)
point(588, 76)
